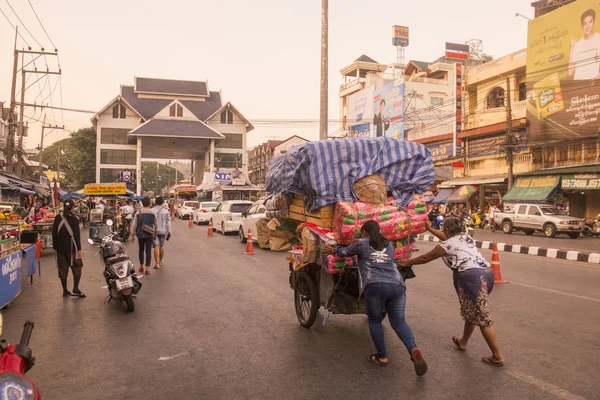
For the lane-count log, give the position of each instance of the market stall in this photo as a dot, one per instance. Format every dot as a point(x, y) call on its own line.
point(328, 198)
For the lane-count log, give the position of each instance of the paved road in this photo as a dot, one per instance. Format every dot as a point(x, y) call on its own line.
point(585, 244)
point(215, 324)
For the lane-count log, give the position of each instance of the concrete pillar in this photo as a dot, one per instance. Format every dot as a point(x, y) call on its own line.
point(212, 155)
point(138, 167)
point(98, 150)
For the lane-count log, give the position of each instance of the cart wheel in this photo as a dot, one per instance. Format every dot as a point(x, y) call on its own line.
point(306, 300)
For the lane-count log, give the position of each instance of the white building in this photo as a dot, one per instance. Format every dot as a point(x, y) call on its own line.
point(169, 119)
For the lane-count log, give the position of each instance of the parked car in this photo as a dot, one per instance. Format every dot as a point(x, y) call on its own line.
point(228, 215)
point(185, 211)
point(249, 218)
point(204, 212)
point(539, 217)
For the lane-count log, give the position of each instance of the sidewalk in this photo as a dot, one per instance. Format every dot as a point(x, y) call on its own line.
point(514, 247)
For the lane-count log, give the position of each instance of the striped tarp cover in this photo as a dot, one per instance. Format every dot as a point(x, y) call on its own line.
point(324, 171)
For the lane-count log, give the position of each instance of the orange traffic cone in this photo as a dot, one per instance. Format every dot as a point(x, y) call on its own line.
point(249, 244)
point(210, 229)
point(496, 266)
point(191, 224)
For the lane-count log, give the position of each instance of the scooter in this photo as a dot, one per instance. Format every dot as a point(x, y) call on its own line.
point(440, 222)
point(119, 271)
point(124, 227)
point(15, 361)
point(592, 228)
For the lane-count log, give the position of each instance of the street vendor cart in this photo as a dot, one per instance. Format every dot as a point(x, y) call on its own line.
point(332, 196)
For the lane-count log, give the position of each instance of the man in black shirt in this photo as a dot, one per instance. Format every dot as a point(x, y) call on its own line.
point(379, 121)
point(66, 240)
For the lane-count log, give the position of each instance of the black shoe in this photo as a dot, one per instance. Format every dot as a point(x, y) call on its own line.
point(78, 293)
point(66, 293)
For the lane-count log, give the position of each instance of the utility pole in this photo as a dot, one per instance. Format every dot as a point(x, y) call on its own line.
point(509, 135)
point(10, 144)
point(44, 126)
point(156, 186)
point(323, 118)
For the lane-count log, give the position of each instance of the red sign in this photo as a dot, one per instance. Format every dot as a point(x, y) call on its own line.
point(458, 164)
point(458, 56)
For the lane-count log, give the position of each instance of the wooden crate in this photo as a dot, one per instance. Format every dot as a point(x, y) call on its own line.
point(322, 217)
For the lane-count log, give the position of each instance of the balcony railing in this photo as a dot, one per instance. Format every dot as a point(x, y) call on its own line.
point(494, 116)
point(353, 82)
point(432, 81)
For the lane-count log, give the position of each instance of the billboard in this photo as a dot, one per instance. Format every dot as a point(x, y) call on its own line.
point(360, 107)
point(104, 189)
point(388, 105)
point(400, 35)
point(563, 63)
point(361, 131)
point(443, 150)
point(493, 145)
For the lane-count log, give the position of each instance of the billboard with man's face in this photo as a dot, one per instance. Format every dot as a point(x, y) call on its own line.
point(563, 73)
point(388, 109)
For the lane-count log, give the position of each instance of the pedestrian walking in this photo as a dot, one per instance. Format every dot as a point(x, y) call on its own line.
point(83, 213)
point(491, 216)
point(144, 225)
point(384, 289)
point(473, 282)
point(66, 241)
point(163, 232)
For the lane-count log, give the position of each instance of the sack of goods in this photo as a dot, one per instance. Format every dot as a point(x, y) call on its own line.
point(396, 222)
point(278, 206)
point(282, 234)
point(262, 233)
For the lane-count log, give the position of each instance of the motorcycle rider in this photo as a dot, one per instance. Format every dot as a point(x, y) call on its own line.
point(433, 214)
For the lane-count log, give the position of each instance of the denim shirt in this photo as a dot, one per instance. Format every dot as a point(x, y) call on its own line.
point(374, 266)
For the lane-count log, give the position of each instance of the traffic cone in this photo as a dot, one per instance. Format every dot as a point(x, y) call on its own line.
point(496, 266)
point(191, 224)
point(210, 229)
point(249, 244)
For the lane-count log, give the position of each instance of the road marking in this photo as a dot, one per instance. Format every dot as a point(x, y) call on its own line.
point(533, 251)
point(556, 292)
point(548, 387)
point(516, 248)
point(166, 358)
point(552, 253)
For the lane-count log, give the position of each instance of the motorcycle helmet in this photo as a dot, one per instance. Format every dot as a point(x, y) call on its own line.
point(112, 249)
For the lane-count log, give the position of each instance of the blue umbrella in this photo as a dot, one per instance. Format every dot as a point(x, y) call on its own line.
point(138, 197)
point(72, 195)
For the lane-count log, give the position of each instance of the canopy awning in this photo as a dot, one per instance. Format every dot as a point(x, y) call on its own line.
point(441, 196)
point(534, 189)
point(474, 180)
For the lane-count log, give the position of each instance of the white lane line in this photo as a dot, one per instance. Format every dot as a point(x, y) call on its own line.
point(166, 358)
point(556, 292)
point(543, 385)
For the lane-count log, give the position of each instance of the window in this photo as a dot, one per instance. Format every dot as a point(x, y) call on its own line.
point(522, 91)
point(534, 211)
point(590, 150)
point(226, 160)
point(116, 111)
point(227, 117)
point(176, 110)
point(496, 98)
point(252, 210)
point(126, 157)
point(116, 136)
point(522, 210)
point(109, 175)
point(239, 207)
point(549, 154)
point(575, 151)
point(261, 209)
point(563, 153)
point(437, 101)
point(122, 113)
point(231, 141)
point(538, 155)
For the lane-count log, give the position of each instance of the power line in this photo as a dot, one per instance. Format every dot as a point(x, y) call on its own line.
point(15, 28)
point(23, 24)
point(42, 25)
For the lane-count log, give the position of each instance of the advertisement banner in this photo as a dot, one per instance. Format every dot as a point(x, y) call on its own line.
point(563, 63)
point(361, 131)
point(580, 182)
point(10, 279)
point(493, 145)
point(442, 151)
point(223, 176)
point(400, 35)
point(388, 103)
point(104, 189)
point(360, 107)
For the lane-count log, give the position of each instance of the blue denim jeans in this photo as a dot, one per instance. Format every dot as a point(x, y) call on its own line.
point(391, 298)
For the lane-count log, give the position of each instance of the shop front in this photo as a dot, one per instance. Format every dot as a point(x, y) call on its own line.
point(533, 189)
point(489, 190)
point(582, 192)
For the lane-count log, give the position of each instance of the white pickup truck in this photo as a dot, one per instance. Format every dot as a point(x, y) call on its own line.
point(539, 217)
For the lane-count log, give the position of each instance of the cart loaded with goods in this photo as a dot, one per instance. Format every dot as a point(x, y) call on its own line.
point(322, 193)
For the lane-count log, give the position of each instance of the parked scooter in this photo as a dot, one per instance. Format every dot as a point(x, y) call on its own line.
point(592, 228)
point(119, 271)
point(123, 231)
point(15, 361)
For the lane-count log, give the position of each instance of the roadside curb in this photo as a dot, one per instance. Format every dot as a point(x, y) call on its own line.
point(570, 255)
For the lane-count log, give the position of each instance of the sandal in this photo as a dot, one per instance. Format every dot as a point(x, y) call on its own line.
point(66, 293)
point(490, 361)
point(375, 359)
point(78, 293)
point(457, 343)
point(157, 266)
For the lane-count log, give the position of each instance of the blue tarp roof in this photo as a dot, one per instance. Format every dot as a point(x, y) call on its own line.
point(324, 171)
point(442, 196)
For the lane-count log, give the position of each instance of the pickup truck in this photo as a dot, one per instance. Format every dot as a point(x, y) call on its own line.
point(539, 217)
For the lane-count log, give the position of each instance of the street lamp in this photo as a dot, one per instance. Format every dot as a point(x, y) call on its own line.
point(522, 16)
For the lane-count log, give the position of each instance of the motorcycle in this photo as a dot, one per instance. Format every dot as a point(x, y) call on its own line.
point(124, 227)
point(119, 272)
point(15, 361)
point(592, 227)
point(440, 221)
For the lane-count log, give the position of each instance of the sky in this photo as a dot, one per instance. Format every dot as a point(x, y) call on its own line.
point(264, 55)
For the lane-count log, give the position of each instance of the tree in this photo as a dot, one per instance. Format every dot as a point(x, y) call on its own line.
point(166, 176)
point(75, 156)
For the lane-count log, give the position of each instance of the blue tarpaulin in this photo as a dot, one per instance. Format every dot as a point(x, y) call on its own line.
point(324, 171)
point(30, 259)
